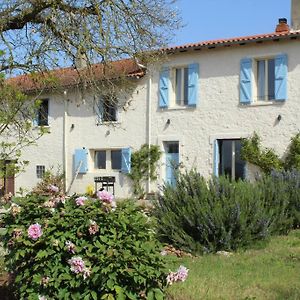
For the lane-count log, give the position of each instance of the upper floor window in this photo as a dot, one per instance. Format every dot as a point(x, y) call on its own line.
point(41, 118)
point(107, 109)
point(179, 86)
point(265, 79)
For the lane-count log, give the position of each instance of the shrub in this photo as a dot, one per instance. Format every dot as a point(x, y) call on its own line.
point(81, 248)
point(201, 216)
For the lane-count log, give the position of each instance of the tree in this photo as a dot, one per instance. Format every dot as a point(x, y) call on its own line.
point(41, 35)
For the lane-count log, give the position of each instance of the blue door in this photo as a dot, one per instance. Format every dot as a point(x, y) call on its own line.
point(172, 161)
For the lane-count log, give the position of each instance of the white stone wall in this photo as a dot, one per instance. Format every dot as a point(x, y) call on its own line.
point(218, 115)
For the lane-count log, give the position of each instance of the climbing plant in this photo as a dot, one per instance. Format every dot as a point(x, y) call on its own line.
point(143, 166)
point(264, 158)
point(267, 159)
point(292, 160)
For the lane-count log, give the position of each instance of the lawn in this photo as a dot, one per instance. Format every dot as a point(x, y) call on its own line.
point(270, 271)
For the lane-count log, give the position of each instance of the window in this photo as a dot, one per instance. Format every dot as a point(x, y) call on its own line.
point(42, 113)
point(265, 79)
point(181, 86)
point(40, 171)
point(100, 159)
point(107, 109)
point(116, 159)
point(229, 155)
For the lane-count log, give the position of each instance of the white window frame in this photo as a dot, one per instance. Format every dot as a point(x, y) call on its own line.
point(173, 100)
point(108, 163)
point(266, 79)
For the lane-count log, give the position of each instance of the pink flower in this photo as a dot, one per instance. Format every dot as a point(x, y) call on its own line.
point(42, 297)
point(105, 196)
point(77, 264)
point(94, 228)
point(35, 231)
point(53, 188)
point(70, 247)
point(180, 275)
point(80, 200)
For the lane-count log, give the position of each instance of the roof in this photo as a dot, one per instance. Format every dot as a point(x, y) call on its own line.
point(68, 77)
point(235, 41)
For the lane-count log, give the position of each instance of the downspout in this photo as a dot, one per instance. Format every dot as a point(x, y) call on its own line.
point(65, 169)
point(149, 95)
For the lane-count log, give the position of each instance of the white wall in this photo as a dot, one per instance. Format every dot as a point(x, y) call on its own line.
point(218, 115)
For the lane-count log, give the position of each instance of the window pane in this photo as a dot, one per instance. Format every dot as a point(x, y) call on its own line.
point(109, 109)
point(116, 162)
point(239, 163)
point(271, 79)
point(100, 159)
point(178, 87)
point(261, 75)
point(172, 147)
point(226, 157)
point(186, 86)
point(43, 113)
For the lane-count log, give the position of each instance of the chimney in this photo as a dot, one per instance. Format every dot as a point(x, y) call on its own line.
point(282, 26)
point(295, 14)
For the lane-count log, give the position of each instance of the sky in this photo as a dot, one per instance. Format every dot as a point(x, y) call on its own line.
point(217, 19)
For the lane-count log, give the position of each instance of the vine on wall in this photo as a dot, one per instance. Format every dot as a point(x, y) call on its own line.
point(143, 166)
point(266, 158)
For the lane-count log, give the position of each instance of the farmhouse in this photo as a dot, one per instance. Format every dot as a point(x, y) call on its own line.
point(196, 105)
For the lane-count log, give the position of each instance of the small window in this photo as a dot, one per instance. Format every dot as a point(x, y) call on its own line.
point(40, 171)
point(265, 79)
point(116, 159)
point(42, 113)
point(100, 159)
point(181, 85)
point(230, 163)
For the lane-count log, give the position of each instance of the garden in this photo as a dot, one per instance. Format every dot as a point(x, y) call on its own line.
point(213, 239)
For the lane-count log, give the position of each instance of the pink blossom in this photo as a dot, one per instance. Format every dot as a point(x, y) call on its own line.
point(94, 228)
point(180, 275)
point(70, 247)
point(53, 188)
point(80, 200)
point(15, 209)
point(42, 297)
point(77, 264)
point(105, 196)
point(45, 281)
point(35, 231)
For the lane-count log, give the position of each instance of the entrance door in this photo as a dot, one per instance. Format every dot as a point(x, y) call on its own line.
point(7, 178)
point(172, 161)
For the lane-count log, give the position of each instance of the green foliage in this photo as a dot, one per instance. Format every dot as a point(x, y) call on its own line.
point(121, 255)
point(143, 166)
point(292, 160)
point(50, 178)
point(266, 159)
point(221, 215)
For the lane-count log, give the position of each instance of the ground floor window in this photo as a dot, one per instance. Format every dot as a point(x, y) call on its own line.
point(40, 171)
point(228, 156)
point(108, 159)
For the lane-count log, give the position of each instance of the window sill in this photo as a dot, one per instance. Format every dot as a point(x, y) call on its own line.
point(263, 103)
point(106, 123)
point(186, 107)
point(41, 126)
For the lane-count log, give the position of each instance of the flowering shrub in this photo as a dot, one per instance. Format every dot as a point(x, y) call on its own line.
point(60, 249)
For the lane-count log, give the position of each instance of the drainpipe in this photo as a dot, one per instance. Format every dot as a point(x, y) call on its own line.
point(65, 162)
point(149, 95)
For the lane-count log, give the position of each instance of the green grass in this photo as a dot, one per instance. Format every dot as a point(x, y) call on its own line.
point(272, 272)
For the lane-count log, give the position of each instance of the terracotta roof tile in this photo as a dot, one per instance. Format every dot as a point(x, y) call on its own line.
point(235, 40)
point(67, 77)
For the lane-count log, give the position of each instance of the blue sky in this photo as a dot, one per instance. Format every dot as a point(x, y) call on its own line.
point(214, 19)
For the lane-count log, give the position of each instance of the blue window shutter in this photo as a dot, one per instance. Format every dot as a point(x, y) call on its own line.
point(216, 158)
point(126, 160)
point(193, 84)
point(246, 81)
point(81, 157)
point(164, 80)
point(99, 110)
point(281, 77)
